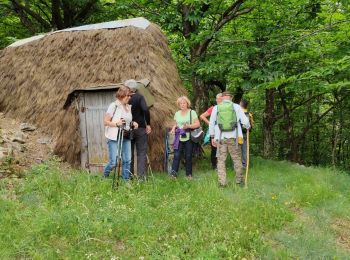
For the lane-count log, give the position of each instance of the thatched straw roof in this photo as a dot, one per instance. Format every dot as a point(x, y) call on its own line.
point(36, 77)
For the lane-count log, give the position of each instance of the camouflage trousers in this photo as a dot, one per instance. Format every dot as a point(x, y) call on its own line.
point(234, 149)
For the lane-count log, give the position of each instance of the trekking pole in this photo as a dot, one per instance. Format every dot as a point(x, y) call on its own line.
point(120, 137)
point(120, 153)
point(149, 166)
point(247, 168)
point(116, 160)
point(165, 150)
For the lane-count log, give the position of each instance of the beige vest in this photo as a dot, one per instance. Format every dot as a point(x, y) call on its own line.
point(111, 132)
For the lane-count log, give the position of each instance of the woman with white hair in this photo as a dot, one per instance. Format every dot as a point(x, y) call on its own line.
point(185, 120)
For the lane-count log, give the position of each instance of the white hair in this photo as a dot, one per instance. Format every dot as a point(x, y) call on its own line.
point(132, 84)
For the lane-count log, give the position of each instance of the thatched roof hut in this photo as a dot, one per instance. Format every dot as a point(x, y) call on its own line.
point(37, 76)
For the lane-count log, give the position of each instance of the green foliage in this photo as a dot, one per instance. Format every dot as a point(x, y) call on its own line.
point(70, 214)
point(298, 50)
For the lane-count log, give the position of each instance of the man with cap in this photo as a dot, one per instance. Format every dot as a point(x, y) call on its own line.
point(226, 140)
point(141, 115)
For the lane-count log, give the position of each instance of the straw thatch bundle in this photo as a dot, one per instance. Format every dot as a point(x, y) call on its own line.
point(36, 78)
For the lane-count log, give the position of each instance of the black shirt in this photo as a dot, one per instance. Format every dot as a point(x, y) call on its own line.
point(139, 110)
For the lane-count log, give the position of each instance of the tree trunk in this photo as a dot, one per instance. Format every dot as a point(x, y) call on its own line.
point(201, 94)
point(56, 14)
point(316, 147)
point(294, 150)
point(268, 122)
point(335, 131)
point(291, 142)
point(316, 138)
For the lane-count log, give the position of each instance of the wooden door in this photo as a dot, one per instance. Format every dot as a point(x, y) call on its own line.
point(94, 153)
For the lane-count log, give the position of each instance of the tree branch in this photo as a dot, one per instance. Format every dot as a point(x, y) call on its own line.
point(309, 126)
point(84, 12)
point(24, 9)
point(292, 41)
point(231, 13)
point(24, 19)
point(146, 10)
point(43, 11)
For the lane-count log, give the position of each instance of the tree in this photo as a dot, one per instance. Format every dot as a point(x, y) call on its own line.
point(195, 25)
point(45, 15)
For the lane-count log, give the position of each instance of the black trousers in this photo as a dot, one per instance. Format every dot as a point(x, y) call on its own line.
point(186, 149)
point(213, 158)
point(140, 143)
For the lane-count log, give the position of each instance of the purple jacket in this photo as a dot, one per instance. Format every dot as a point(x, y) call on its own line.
point(178, 133)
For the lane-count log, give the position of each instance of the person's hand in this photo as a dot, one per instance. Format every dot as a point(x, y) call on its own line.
point(120, 122)
point(186, 126)
point(213, 142)
point(148, 129)
point(172, 131)
point(135, 125)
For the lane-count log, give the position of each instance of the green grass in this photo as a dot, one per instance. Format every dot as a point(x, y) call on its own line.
point(288, 211)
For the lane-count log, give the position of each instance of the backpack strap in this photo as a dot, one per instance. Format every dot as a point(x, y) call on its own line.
point(190, 121)
point(216, 122)
point(191, 116)
point(115, 109)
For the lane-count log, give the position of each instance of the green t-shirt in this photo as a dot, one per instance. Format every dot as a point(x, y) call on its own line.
point(182, 120)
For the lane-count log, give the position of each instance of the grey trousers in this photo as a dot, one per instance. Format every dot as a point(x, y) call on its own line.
point(140, 143)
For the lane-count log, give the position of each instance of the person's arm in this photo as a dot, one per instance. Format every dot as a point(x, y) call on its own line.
point(145, 110)
point(195, 122)
point(204, 117)
point(242, 117)
point(107, 120)
point(146, 113)
point(212, 122)
point(194, 125)
point(172, 131)
point(135, 124)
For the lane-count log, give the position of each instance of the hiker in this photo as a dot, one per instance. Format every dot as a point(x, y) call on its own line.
point(225, 126)
point(244, 105)
point(204, 117)
point(186, 119)
point(140, 114)
point(119, 116)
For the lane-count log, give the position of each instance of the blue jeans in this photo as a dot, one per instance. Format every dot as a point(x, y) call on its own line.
point(186, 148)
point(126, 158)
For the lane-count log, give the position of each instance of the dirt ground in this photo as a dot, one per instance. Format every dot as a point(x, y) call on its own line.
point(20, 149)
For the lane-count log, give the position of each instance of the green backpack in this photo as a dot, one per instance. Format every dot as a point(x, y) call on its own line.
point(226, 116)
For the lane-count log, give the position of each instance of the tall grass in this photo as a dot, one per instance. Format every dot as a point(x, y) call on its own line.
point(287, 211)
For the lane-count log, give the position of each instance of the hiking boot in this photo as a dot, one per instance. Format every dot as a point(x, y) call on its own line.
point(240, 183)
point(141, 178)
point(189, 177)
point(173, 174)
point(239, 180)
point(222, 185)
